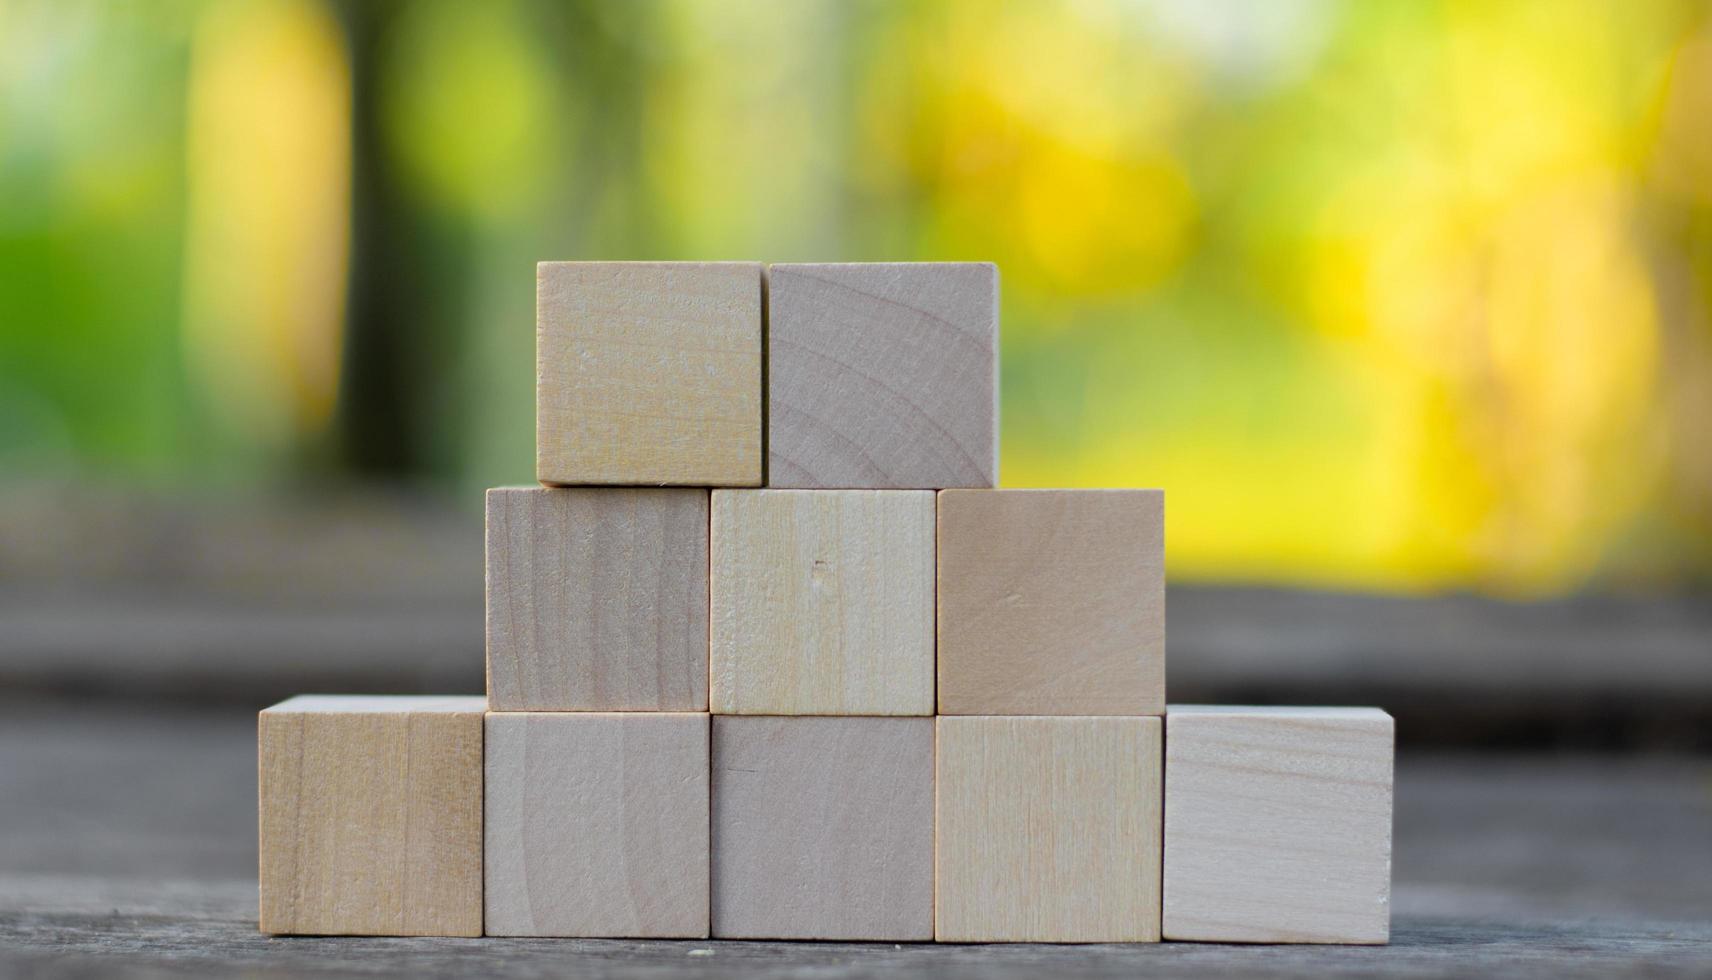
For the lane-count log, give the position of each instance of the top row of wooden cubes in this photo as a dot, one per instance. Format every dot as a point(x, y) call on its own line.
point(860, 376)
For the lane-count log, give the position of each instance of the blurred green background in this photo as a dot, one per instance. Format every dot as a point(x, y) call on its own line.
point(1388, 296)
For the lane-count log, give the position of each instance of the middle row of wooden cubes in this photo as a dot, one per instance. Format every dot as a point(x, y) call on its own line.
point(826, 602)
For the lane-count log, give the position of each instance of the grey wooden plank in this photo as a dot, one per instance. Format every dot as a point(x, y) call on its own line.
point(1617, 645)
point(109, 945)
point(364, 542)
point(189, 648)
point(1554, 838)
point(1595, 672)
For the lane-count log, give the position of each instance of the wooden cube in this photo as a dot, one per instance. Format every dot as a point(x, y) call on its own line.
point(823, 828)
point(597, 599)
point(1049, 829)
point(1278, 824)
point(597, 825)
point(822, 602)
point(1051, 602)
point(648, 373)
point(371, 816)
point(883, 375)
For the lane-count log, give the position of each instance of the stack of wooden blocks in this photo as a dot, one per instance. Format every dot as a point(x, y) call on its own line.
point(769, 657)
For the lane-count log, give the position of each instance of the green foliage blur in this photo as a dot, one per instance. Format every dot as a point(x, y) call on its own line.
point(1387, 295)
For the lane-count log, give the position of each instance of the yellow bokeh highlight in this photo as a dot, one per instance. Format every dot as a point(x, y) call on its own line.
point(267, 226)
point(1488, 280)
point(1469, 398)
point(1046, 142)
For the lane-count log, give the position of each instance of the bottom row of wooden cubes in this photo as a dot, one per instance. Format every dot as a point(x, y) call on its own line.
point(1244, 824)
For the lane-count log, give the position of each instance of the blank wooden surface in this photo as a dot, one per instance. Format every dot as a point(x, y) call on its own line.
point(822, 602)
point(1278, 824)
point(648, 373)
point(597, 824)
point(1051, 602)
point(371, 816)
point(597, 599)
point(1048, 829)
point(883, 375)
point(823, 828)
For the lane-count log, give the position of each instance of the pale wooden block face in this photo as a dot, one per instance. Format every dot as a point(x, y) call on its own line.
point(371, 816)
point(823, 828)
point(648, 373)
point(597, 599)
point(1048, 829)
point(883, 375)
point(597, 825)
point(1051, 602)
point(822, 602)
point(1278, 825)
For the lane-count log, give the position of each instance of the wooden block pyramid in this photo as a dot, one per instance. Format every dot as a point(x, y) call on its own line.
point(770, 656)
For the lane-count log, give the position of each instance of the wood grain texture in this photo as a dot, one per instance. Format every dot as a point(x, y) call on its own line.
point(1278, 824)
point(822, 602)
point(1051, 602)
point(597, 599)
point(883, 375)
point(823, 828)
point(597, 825)
point(371, 816)
point(1048, 829)
point(648, 373)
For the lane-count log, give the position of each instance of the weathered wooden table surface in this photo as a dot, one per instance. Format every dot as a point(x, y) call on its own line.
point(127, 845)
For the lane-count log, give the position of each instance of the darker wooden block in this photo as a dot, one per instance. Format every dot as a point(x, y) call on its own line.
point(1051, 602)
point(371, 816)
point(1278, 824)
point(883, 375)
point(597, 599)
point(597, 825)
point(823, 828)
